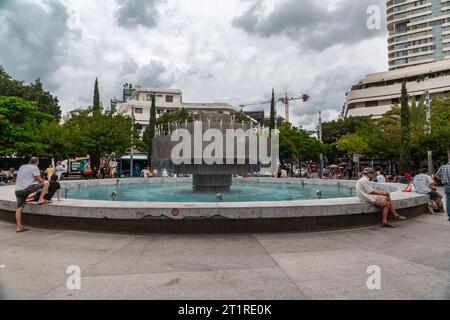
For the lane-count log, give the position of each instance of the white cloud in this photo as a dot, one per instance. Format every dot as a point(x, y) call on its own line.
point(196, 46)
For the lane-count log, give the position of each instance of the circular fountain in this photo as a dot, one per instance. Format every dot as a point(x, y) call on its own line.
point(211, 201)
point(91, 208)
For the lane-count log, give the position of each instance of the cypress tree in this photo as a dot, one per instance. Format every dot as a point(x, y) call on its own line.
point(405, 148)
point(272, 112)
point(96, 104)
point(151, 129)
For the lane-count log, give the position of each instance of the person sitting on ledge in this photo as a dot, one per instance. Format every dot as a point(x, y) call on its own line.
point(53, 188)
point(29, 180)
point(367, 193)
point(425, 185)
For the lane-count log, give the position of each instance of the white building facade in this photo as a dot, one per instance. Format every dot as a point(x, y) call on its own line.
point(378, 92)
point(167, 101)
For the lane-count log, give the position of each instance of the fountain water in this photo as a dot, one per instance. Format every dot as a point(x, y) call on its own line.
point(207, 177)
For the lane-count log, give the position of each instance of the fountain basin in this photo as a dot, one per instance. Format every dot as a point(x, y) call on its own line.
point(182, 190)
point(201, 217)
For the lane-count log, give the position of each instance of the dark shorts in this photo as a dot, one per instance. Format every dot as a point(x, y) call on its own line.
point(38, 195)
point(22, 195)
point(433, 194)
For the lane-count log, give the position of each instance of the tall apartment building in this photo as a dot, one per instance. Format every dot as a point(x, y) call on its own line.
point(419, 54)
point(419, 32)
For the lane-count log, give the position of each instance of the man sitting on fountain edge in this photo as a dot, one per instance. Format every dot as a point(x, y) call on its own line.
point(367, 193)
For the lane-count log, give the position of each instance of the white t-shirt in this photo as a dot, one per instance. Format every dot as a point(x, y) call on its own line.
point(422, 183)
point(59, 170)
point(364, 188)
point(27, 176)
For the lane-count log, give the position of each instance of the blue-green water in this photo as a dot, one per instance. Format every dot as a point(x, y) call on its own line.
point(182, 192)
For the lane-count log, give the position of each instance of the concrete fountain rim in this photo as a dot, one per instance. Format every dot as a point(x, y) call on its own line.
point(223, 217)
point(7, 195)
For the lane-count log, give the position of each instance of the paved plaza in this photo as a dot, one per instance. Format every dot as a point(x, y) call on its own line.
point(414, 259)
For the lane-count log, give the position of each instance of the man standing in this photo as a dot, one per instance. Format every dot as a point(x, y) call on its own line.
point(444, 175)
point(112, 168)
point(367, 193)
point(59, 170)
point(28, 181)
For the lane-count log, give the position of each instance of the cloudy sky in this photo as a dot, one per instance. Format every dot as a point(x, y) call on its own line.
point(214, 50)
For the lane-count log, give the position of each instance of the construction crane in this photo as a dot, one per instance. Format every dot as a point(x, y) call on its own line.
point(286, 100)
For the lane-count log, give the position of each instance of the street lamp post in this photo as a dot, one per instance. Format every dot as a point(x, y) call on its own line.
point(430, 153)
point(132, 144)
point(321, 141)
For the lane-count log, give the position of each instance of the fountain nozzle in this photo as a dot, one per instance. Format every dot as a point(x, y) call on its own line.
point(319, 194)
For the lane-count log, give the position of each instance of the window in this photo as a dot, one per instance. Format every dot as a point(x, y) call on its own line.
point(149, 97)
point(169, 99)
point(159, 96)
point(139, 110)
point(371, 104)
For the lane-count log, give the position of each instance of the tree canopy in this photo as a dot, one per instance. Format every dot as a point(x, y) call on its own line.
point(297, 144)
point(98, 134)
point(384, 137)
point(34, 91)
point(20, 125)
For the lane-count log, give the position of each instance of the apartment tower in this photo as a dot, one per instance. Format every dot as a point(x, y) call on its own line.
point(419, 32)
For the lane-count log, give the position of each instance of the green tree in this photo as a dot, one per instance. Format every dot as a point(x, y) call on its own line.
point(417, 116)
point(57, 141)
point(439, 139)
point(179, 117)
point(351, 144)
point(96, 103)
point(298, 145)
point(242, 117)
point(405, 130)
point(20, 124)
point(440, 126)
point(99, 134)
point(35, 91)
point(332, 131)
point(390, 129)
